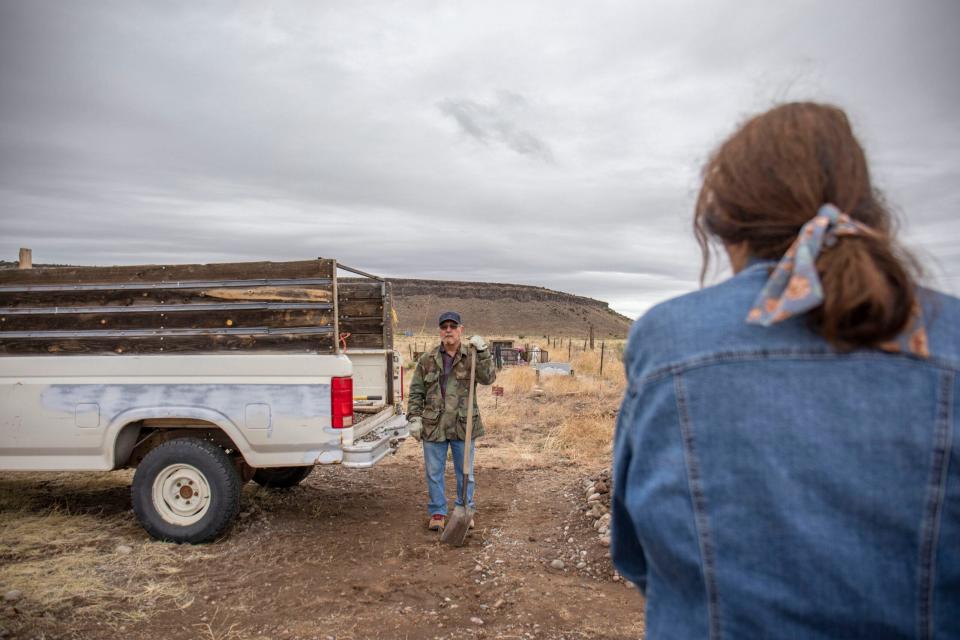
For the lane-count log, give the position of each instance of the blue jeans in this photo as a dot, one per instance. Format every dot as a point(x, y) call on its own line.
point(435, 461)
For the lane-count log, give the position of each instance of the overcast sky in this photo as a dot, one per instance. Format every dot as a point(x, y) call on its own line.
point(547, 143)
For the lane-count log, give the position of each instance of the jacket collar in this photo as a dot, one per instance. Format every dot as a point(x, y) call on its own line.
point(461, 353)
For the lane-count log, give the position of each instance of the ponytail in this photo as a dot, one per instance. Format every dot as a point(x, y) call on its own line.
point(868, 292)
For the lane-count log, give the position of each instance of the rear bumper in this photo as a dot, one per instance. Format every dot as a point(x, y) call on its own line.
point(370, 448)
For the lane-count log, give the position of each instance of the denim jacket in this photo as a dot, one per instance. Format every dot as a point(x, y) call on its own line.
point(766, 486)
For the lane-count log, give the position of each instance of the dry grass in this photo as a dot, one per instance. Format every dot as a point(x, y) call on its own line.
point(568, 416)
point(515, 380)
point(572, 417)
point(64, 557)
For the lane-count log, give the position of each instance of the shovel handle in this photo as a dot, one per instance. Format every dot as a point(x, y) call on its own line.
point(466, 440)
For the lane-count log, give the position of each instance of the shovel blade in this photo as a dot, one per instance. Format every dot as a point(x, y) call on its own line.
point(455, 533)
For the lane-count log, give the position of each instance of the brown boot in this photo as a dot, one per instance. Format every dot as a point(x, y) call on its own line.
point(437, 522)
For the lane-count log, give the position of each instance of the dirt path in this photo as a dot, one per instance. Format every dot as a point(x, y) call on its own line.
point(346, 555)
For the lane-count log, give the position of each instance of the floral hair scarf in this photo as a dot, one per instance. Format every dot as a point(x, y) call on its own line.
point(794, 286)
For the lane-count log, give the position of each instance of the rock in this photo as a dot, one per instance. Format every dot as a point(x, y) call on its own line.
point(476, 620)
point(557, 564)
point(570, 540)
point(13, 595)
point(605, 540)
point(581, 564)
point(593, 497)
point(124, 549)
point(244, 515)
point(601, 487)
point(604, 530)
point(478, 568)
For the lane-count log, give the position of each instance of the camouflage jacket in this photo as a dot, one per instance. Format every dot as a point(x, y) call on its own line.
point(447, 419)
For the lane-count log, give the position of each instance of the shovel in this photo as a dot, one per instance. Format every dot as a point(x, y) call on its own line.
point(455, 532)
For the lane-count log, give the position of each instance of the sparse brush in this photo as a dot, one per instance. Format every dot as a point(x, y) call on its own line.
point(64, 559)
point(568, 385)
point(585, 436)
point(517, 379)
point(588, 362)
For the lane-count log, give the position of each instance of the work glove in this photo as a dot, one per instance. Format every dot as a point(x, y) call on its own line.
point(478, 342)
point(415, 426)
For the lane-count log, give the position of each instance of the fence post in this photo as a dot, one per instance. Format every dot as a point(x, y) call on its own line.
point(591, 337)
point(602, 344)
point(569, 349)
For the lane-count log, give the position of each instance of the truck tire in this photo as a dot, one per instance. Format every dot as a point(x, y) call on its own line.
point(186, 490)
point(281, 477)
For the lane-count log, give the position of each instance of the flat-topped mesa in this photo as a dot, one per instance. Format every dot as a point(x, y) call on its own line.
point(504, 309)
point(487, 291)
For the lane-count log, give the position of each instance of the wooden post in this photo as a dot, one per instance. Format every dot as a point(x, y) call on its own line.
point(26, 258)
point(591, 337)
point(602, 344)
point(569, 348)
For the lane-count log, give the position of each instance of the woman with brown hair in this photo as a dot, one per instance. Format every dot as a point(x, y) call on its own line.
point(787, 456)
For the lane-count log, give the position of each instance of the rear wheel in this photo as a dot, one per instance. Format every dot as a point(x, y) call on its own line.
point(186, 490)
point(281, 477)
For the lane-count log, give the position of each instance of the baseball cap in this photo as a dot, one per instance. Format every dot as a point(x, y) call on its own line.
point(451, 316)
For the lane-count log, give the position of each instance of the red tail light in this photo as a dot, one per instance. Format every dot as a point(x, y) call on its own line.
point(341, 402)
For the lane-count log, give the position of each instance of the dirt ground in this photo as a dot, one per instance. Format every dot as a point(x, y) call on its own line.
point(346, 555)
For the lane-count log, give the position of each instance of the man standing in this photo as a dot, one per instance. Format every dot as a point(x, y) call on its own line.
point(437, 410)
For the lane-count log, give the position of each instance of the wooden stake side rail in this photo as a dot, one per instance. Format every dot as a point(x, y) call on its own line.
point(362, 314)
point(299, 270)
point(120, 319)
point(171, 308)
point(68, 297)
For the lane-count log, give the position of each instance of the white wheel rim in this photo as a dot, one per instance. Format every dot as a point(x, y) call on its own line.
point(181, 494)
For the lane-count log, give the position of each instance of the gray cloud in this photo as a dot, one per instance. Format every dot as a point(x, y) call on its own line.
point(497, 122)
point(550, 145)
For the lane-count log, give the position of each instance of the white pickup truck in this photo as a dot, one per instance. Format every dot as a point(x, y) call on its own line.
point(202, 377)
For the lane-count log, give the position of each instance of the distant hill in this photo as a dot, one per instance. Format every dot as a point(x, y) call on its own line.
point(504, 309)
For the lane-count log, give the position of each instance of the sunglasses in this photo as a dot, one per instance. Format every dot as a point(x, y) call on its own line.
point(449, 326)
